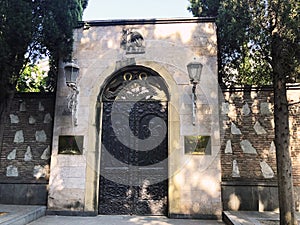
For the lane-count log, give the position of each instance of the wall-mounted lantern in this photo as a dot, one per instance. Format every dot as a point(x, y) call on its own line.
point(194, 71)
point(71, 71)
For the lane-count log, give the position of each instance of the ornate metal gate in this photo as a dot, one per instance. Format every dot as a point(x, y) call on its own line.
point(134, 156)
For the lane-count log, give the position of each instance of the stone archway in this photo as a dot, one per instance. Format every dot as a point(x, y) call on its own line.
point(134, 149)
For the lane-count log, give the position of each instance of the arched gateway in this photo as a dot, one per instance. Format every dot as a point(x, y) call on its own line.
point(129, 126)
point(134, 150)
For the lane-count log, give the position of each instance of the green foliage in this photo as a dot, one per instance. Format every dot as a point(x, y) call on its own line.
point(285, 38)
point(259, 43)
point(15, 34)
point(56, 30)
point(57, 23)
point(246, 29)
point(56, 33)
point(32, 79)
point(244, 45)
point(204, 8)
point(33, 29)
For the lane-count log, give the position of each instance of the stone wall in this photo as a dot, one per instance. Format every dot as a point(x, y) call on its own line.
point(26, 149)
point(249, 178)
point(167, 46)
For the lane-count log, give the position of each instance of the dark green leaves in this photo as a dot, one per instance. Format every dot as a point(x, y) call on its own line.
point(34, 29)
point(245, 38)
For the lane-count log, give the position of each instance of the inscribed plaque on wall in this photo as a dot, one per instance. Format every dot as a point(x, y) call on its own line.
point(70, 145)
point(197, 145)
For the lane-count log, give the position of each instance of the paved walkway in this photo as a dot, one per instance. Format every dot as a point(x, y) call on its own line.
point(35, 215)
point(253, 218)
point(119, 220)
point(20, 214)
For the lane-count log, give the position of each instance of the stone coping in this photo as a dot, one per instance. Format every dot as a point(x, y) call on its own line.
point(144, 21)
point(20, 214)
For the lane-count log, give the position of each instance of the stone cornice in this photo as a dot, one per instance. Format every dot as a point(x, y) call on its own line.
point(144, 21)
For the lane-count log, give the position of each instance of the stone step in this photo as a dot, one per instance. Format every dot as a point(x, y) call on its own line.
point(20, 214)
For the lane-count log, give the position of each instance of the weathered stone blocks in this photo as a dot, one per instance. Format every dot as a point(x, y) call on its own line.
point(19, 136)
point(12, 171)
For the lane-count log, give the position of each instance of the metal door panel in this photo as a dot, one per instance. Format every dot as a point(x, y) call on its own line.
point(129, 171)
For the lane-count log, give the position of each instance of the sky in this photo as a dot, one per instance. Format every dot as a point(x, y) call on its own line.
point(135, 9)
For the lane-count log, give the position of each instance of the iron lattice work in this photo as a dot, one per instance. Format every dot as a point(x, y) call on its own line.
point(134, 155)
point(133, 180)
point(135, 84)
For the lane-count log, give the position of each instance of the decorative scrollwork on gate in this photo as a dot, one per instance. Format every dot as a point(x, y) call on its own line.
point(135, 84)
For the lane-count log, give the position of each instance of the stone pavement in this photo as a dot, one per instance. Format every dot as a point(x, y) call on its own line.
point(253, 218)
point(36, 215)
point(119, 220)
point(20, 214)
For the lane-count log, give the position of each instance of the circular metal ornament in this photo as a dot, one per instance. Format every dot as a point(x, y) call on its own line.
point(143, 76)
point(127, 76)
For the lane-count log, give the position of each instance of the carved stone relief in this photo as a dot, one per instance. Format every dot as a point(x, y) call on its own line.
point(132, 41)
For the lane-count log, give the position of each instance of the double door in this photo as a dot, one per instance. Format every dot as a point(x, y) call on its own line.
point(134, 158)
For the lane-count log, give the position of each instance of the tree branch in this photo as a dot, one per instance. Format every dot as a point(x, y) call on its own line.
point(294, 103)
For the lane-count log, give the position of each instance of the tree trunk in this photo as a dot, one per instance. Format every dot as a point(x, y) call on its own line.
point(281, 117)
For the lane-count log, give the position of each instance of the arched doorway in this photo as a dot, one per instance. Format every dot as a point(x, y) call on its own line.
point(134, 150)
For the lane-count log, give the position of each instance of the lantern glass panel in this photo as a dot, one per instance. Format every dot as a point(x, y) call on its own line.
point(71, 74)
point(194, 70)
